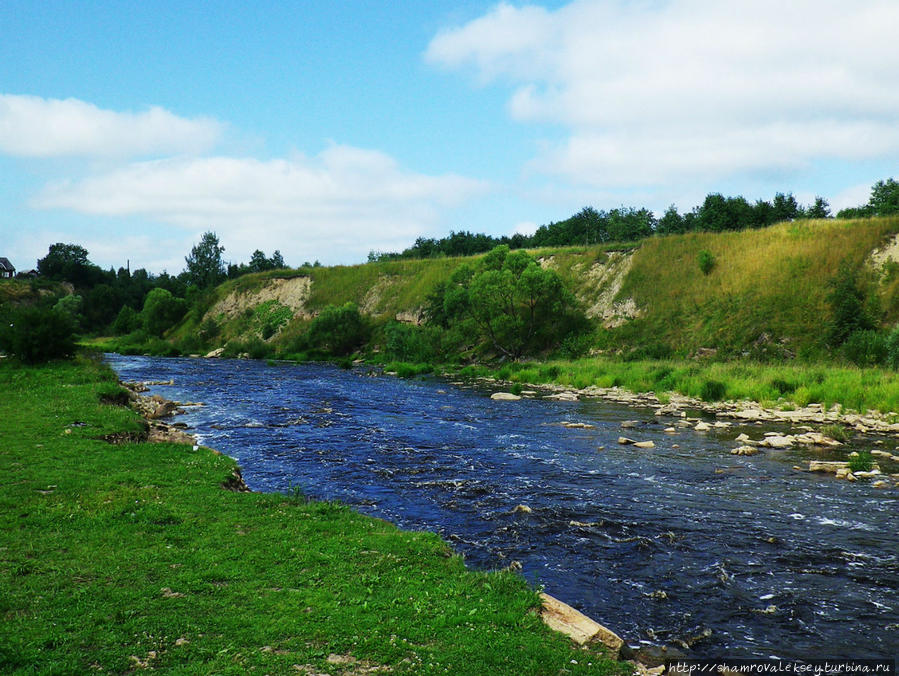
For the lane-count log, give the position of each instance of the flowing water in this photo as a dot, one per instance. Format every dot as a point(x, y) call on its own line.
point(736, 556)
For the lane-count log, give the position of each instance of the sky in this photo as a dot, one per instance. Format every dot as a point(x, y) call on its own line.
point(327, 130)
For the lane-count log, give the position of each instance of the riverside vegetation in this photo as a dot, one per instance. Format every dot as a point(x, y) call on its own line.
point(128, 556)
point(795, 313)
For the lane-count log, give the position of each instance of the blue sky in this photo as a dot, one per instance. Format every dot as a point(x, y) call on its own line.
point(327, 130)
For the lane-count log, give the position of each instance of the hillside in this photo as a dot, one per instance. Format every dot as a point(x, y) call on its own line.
point(764, 296)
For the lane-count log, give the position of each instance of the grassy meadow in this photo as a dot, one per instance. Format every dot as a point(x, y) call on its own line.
point(117, 558)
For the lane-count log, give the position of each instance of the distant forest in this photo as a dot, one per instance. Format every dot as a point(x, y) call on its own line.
point(629, 224)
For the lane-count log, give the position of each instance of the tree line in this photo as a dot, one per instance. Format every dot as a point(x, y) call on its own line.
point(104, 299)
point(590, 226)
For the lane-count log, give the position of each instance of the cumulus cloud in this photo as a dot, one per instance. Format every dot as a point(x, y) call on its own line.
point(652, 92)
point(31, 126)
point(337, 205)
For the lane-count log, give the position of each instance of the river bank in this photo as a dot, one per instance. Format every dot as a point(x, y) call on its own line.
point(124, 556)
point(662, 543)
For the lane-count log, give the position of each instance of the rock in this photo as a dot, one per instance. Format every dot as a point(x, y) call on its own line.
point(702, 427)
point(670, 430)
point(625, 441)
point(504, 396)
point(842, 472)
point(164, 409)
point(880, 484)
point(851, 477)
point(644, 444)
point(214, 354)
point(578, 425)
point(720, 424)
point(744, 450)
point(882, 454)
point(777, 441)
point(629, 424)
point(522, 509)
point(743, 438)
point(833, 466)
point(577, 626)
point(563, 396)
point(867, 475)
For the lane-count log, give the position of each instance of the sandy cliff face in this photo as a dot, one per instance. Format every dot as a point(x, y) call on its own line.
point(294, 293)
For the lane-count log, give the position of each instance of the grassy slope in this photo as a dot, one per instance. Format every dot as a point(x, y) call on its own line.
point(771, 282)
point(115, 555)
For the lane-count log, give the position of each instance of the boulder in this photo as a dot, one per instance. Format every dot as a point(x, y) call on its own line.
point(880, 484)
point(629, 424)
point(522, 509)
point(214, 354)
point(577, 626)
point(504, 396)
point(702, 427)
point(578, 425)
point(625, 441)
point(832, 466)
point(777, 441)
point(744, 450)
point(644, 444)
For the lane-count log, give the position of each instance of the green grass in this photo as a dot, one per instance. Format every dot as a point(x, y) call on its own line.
point(770, 281)
point(113, 556)
point(854, 388)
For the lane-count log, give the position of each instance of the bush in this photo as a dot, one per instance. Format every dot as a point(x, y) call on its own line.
point(126, 321)
point(339, 330)
point(37, 334)
point(713, 390)
point(863, 462)
point(866, 348)
point(161, 311)
point(209, 330)
point(408, 343)
point(706, 261)
point(847, 306)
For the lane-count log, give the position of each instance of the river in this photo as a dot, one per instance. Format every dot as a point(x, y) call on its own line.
point(684, 542)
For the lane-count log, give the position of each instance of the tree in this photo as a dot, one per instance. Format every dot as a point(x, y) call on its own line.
point(848, 311)
point(37, 334)
point(205, 267)
point(785, 207)
point(338, 329)
point(884, 199)
point(161, 311)
point(820, 209)
point(61, 258)
point(509, 302)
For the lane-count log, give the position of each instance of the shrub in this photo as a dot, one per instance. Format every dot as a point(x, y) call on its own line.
point(863, 462)
point(339, 330)
point(37, 334)
point(209, 330)
point(161, 311)
point(835, 431)
point(866, 348)
point(713, 390)
point(847, 306)
point(706, 261)
point(783, 387)
point(410, 343)
point(126, 321)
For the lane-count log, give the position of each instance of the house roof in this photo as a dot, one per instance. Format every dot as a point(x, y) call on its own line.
point(6, 265)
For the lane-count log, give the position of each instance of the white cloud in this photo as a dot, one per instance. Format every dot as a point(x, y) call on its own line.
point(526, 228)
point(31, 126)
point(678, 90)
point(336, 206)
